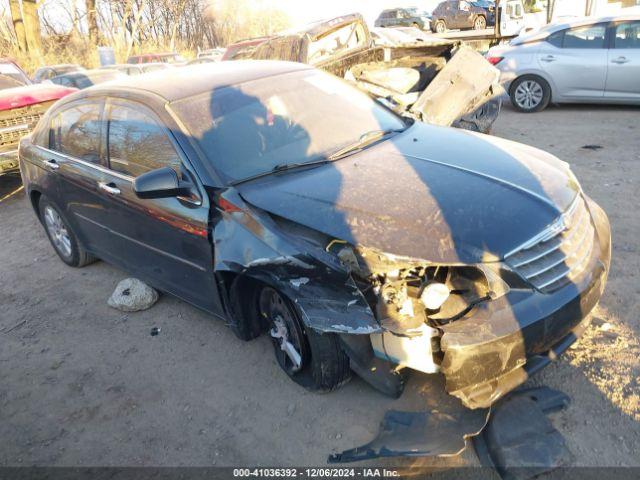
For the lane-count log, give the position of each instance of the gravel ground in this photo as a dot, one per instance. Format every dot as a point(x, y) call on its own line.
point(83, 384)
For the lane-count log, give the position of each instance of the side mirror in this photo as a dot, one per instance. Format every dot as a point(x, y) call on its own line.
point(160, 183)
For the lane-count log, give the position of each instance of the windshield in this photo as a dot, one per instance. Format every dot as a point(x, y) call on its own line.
point(300, 117)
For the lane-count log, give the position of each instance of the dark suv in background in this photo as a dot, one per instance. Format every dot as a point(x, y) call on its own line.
point(404, 17)
point(463, 14)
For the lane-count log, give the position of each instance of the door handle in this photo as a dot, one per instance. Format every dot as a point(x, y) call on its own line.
point(110, 188)
point(51, 163)
point(548, 58)
point(620, 60)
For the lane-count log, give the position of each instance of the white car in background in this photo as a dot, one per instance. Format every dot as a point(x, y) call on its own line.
point(590, 60)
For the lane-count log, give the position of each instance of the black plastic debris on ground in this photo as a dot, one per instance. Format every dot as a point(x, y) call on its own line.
point(514, 437)
point(592, 147)
point(419, 434)
point(519, 441)
point(155, 331)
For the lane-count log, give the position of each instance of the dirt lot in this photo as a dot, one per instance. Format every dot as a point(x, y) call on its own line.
point(82, 384)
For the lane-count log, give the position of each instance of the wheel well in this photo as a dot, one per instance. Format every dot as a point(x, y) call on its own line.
point(239, 297)
point(34, 196)
point(515, 81)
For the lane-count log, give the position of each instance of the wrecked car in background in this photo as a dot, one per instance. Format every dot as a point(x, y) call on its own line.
point(286, 202)
point(20, 110)
point(437, 81)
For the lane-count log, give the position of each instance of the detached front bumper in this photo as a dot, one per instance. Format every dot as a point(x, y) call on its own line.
point(511, 338)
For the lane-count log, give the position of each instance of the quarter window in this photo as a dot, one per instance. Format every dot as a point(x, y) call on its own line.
point(627, 35)
point(590, 36)
point(137, 143)
point(78, 132)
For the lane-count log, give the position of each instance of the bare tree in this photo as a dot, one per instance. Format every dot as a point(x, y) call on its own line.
point(32, 26)
point(18, 24)
point(92, 21)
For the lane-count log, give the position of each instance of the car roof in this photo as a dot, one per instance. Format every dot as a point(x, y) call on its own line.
point(554, 27)
point(183, 82)
point(551, 28)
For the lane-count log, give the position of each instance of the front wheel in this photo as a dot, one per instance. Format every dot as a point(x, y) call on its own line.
point(311, 359)
point(530, 93)
point(480, 23)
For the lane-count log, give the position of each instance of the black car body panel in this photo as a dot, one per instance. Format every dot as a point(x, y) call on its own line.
point(329, 237)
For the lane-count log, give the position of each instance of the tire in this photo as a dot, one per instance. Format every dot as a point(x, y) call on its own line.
point(62, 237)
point(415, 25)
point(440, 26)
point(480, 23)
point(530, 93)
point(323, 365)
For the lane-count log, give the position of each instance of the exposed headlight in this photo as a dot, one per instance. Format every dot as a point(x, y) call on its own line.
point(434, 295)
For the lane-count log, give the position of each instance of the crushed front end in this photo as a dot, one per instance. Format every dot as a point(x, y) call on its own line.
point(487, 327)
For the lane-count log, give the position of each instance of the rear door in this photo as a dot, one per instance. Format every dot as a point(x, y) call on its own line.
point(576, 61)
point(162, 240)
point(623, 78)
point(76, 160)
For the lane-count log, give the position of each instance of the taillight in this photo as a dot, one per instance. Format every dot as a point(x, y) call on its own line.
point(494, 60)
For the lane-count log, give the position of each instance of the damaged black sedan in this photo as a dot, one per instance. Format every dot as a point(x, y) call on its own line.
point(289, 203)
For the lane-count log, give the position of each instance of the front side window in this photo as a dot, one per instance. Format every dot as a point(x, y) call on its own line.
point(590, 36)
point(137, 143)
point(627, 35)
point(249, 129)
point(77, 133)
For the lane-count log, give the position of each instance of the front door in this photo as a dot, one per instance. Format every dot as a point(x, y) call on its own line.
point(623, 79)
point(162, 240)
point(577, 63)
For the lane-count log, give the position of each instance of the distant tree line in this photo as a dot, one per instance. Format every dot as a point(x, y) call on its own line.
point(38, 29)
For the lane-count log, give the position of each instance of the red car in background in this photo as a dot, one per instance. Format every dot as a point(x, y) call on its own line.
point(21, 106)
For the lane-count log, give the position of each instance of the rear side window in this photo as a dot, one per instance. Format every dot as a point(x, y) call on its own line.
point(627, 35)
point(590, 36)
point(137, 143)
point(77, 132)
point(555, 39)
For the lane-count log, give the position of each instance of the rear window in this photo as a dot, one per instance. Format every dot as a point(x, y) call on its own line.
point(590, 36)
point(344, 38)
point(77, 132)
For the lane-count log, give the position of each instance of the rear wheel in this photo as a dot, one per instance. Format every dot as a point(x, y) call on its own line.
point(62, 237)
point(530, 93)
point(480, 23)
point(311, 359)
point(440, 26)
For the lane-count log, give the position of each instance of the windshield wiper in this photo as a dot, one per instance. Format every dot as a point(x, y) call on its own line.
point(365, 139)
point(282, 167)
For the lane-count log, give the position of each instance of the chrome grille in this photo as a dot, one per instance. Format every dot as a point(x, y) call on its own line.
point(29, 119)
point(560, 253)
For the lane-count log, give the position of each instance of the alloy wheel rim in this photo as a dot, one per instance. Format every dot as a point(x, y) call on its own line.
point(57, 231)
point(440, 27)
point(480, 23)
point(283, 333)
point(529, 94)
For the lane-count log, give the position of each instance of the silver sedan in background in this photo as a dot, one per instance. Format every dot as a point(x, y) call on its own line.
point(590, 60)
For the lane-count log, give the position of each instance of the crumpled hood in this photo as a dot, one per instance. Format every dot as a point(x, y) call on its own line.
point(438, 194)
